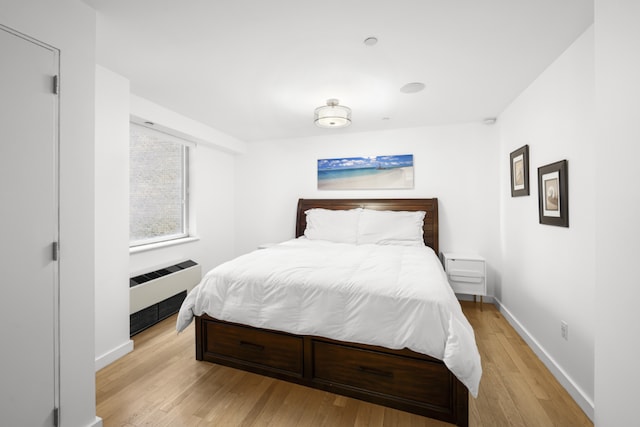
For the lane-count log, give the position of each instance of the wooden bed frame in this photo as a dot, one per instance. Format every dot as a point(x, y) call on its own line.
point(400, 379)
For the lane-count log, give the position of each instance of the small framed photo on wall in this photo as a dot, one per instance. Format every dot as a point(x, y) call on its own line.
point(520, 172)
point(553, 194)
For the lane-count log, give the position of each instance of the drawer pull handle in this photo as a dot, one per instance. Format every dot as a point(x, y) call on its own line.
point(374, 371)
point(256, 347)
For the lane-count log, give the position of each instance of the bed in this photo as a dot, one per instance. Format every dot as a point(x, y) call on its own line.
point(393, 370)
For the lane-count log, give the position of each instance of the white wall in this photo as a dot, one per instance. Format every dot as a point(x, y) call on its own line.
point(112, 217)
point(617, 211)
point(69, 25)
point(457, 164)
point(548, 272)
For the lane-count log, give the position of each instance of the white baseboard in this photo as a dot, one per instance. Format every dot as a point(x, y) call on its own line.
point(96, 423)
point(113, 355)
point(585, 403)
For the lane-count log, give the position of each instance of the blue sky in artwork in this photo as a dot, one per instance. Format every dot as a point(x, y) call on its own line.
point(386, 162)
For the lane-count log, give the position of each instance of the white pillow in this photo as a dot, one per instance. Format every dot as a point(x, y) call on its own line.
point(391, 227)
point(339, 226)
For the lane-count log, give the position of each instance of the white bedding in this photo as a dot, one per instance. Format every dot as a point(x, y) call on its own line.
point(390, 296)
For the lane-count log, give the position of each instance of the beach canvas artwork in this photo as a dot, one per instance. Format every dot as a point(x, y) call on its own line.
point(366, 173)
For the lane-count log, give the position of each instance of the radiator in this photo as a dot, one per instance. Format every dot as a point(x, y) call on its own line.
point(158, 294)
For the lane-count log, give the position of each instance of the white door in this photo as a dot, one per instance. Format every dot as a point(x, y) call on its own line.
point(29, 226)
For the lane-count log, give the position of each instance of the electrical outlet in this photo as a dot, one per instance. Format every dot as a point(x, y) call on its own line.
point(564, 330)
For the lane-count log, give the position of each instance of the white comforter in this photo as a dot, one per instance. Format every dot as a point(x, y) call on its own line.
point(390, 296)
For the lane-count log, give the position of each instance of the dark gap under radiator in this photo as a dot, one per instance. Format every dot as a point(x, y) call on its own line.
point(141, 320)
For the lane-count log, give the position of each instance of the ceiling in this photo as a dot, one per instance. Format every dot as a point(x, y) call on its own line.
point(257, 69)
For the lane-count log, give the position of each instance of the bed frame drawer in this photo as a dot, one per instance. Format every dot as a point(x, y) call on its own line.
point(386, 374)
point(248, 346)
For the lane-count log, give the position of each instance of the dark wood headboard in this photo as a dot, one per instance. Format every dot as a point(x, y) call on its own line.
point(430, 206)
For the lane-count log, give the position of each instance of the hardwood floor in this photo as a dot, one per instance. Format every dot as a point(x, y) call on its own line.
point(161, 384)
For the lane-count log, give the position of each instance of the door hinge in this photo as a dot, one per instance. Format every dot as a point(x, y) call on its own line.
point(56, 85)
point(55, 251)
point(56, 417)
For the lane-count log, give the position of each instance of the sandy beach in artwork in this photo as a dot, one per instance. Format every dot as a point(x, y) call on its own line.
point(395, 178)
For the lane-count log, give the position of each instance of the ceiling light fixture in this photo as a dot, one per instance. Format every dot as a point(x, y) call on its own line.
point(332, 115)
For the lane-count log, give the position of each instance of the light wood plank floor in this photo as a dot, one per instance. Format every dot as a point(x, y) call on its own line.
point(161, 384)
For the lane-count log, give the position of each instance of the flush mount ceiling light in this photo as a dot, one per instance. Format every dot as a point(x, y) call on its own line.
point(332, 115)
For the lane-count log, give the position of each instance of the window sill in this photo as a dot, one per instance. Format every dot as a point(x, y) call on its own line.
point(159, 245)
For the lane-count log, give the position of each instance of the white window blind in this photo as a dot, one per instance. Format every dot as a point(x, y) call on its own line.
point(158, 187)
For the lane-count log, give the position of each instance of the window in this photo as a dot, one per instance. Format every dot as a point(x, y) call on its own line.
point(158, 187)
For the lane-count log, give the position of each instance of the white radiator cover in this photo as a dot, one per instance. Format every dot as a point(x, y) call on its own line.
point(156, 290)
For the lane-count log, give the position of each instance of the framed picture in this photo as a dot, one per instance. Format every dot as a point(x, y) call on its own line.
point(366, 173)
point(520, 172)
point(553, 194)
